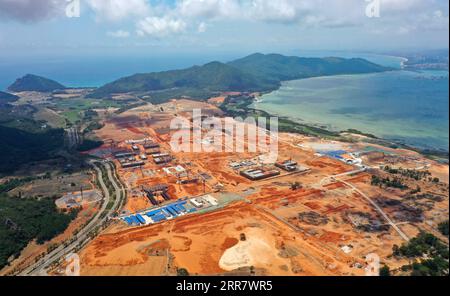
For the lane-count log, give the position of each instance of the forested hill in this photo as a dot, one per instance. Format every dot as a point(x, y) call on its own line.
point(20, 147)
point(213, 76)
point(35, 83)
point(256, 72)
point(283, 68)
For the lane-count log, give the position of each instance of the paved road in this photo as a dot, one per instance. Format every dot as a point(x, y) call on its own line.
point(120, 190)
point(342, 175)
point(39, 268)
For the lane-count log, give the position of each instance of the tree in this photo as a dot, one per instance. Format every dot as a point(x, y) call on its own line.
point(443, 228)
point(385, 271)
point(182, 272)
point(429, 255)
point(396, 250)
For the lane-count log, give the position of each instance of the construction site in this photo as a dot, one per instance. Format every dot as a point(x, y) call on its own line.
point(313, 211)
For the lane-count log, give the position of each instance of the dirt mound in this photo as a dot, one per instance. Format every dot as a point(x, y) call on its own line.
point(229, 243)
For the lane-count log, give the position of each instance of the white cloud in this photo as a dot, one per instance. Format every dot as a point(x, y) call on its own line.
point(208, 8)
point(31, 10)
point(119, 34)
point(160, 26)
point(114, 10)
point(395, 14)
point(402, 5)
point(162, 19)
point(202, 27)
point(277, 11)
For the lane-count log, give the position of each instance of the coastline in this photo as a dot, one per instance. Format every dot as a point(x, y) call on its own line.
point(290, 125)
point(270, 104)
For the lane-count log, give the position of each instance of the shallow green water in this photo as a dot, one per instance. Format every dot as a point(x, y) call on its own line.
point(408, 107)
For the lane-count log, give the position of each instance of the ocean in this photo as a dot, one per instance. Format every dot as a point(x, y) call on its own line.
point(94, 71)
point(403, 106)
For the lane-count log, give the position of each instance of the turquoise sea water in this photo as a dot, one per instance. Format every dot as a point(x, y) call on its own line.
point(404, 106)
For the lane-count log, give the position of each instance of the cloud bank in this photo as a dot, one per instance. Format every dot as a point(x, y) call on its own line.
point(176, 17)
point(30, 10)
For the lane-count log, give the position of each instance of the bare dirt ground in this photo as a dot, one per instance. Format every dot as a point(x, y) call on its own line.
point(199, 244)
point(322, 228)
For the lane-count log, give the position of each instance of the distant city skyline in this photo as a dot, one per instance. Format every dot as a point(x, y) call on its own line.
point(220, 26)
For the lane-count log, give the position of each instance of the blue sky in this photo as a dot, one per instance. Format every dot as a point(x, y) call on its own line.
point(220, 26)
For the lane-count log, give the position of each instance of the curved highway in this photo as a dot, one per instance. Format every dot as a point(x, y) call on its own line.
point(83, 236)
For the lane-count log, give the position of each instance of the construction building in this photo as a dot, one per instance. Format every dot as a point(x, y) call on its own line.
point(259, 174)
point(288, 165)
point(197, 202)
point(132, 164)
point(151, 145)
point(157, 190)
point(124, 154)
point(162, 158)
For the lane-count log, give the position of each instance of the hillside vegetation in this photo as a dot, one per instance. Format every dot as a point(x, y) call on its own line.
point(22, 220)
point(257, 72)
point(35, 83)
point(20, 147)
point(282, 68)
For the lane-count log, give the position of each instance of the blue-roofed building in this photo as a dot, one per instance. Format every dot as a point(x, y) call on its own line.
point(181, 208)
point(174, 208)
point(334, 154)
point(140, 219)
point(153, 213)
point(135, 220)
point(171, 212)
point(128, 220)
point(165, 212)
point(158, 218)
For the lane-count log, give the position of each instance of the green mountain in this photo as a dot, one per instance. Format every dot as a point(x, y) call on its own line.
point(212, 77)
point(7, 98)
point(283, 68)
point(256, 72)
point(35, 83)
